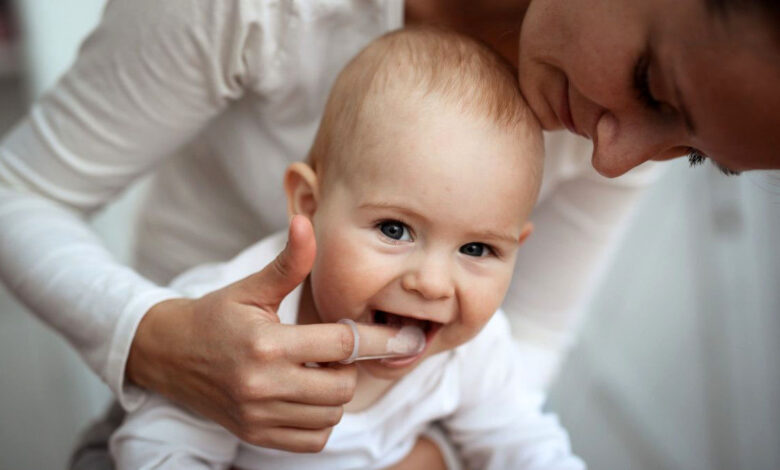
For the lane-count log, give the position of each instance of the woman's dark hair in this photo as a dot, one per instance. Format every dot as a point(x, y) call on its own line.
point(766, 9)
point(767, 6)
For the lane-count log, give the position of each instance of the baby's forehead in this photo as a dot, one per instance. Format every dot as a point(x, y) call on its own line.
point(431, 146)
point(382, 103)
point(392, 125)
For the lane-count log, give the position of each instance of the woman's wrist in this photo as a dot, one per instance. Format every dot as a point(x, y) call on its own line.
point(152, 342)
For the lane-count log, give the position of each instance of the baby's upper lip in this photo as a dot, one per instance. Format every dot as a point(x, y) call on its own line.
point(397, 313)
point(415, 316)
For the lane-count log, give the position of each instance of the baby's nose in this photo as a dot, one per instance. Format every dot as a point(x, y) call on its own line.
point(431, 278)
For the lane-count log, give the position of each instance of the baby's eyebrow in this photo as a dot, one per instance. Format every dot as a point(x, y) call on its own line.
point(497, 236)
point(390, 206)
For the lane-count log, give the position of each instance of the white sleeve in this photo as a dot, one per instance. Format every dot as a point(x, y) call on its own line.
point(147, 80)
point(499, 422)
point(577, 226)
point(162, 436)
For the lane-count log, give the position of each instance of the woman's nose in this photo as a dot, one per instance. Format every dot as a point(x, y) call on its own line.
point(430, 277)
point(622, 144)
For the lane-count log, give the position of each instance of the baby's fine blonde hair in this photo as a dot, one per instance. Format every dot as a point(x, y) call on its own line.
point(414, 64)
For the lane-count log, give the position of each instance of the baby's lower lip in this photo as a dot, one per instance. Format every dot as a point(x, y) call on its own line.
point(399, 362)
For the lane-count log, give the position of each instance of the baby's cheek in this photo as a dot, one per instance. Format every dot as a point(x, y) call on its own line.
point(467, 327)
point(334, 265)
point(339, 282)
point(477, 321)
point(479, 307)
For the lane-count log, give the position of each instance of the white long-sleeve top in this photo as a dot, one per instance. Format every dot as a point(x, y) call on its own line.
point(216, 98)
point(476, 391)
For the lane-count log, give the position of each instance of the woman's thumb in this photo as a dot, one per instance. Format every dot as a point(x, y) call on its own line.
point(270, 286)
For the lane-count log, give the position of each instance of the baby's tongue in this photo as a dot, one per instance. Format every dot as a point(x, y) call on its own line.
point(410, 340)
point(398, 321)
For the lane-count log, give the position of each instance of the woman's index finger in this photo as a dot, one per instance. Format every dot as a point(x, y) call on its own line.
point(335, 342)
point(325, 342)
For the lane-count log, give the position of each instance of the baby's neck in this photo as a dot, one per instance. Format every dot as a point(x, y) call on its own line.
point(369, 389)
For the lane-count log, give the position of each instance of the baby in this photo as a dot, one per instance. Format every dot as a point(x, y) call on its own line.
point(418, 187)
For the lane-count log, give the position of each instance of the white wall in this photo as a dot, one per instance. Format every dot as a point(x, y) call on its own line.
point(52, 30)
point(678, 366)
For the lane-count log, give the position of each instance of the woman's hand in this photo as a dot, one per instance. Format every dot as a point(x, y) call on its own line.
point(227, 357)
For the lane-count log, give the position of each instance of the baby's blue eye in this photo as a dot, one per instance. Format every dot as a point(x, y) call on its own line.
point(475, 249)
point(395, 230)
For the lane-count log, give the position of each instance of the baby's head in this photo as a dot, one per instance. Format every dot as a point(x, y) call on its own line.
point(419, 184)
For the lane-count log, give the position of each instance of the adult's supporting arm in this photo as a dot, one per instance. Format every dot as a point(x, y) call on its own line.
point(147, 80)
point(577, 227)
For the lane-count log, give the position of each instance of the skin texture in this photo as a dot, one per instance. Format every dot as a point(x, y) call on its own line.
point(723, 69)
point(413, 170)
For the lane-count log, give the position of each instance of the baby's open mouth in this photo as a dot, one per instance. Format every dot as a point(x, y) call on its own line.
point(382, 317)
point(407, 326)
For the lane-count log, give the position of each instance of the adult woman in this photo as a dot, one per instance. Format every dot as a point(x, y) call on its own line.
point(205, 85)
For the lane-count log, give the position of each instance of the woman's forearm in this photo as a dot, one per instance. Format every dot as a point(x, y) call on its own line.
point(577, 226)
point(144, 83)
point(56, 265)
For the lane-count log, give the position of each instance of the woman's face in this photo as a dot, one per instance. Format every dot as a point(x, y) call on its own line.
point(654, 79)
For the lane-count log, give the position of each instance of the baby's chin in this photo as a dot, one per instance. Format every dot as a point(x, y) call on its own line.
point(378, 371)
point(395, 369)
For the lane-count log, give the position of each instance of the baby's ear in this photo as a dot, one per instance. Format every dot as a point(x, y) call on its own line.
point(302, 188)
point(528, 228)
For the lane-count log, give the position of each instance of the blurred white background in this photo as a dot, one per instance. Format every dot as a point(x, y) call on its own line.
point(677, 367)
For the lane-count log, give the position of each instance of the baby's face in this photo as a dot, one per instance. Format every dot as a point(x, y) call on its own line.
point(423, 229)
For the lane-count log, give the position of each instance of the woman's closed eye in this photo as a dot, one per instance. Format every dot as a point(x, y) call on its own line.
point(641, 83)
point(395, 230)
